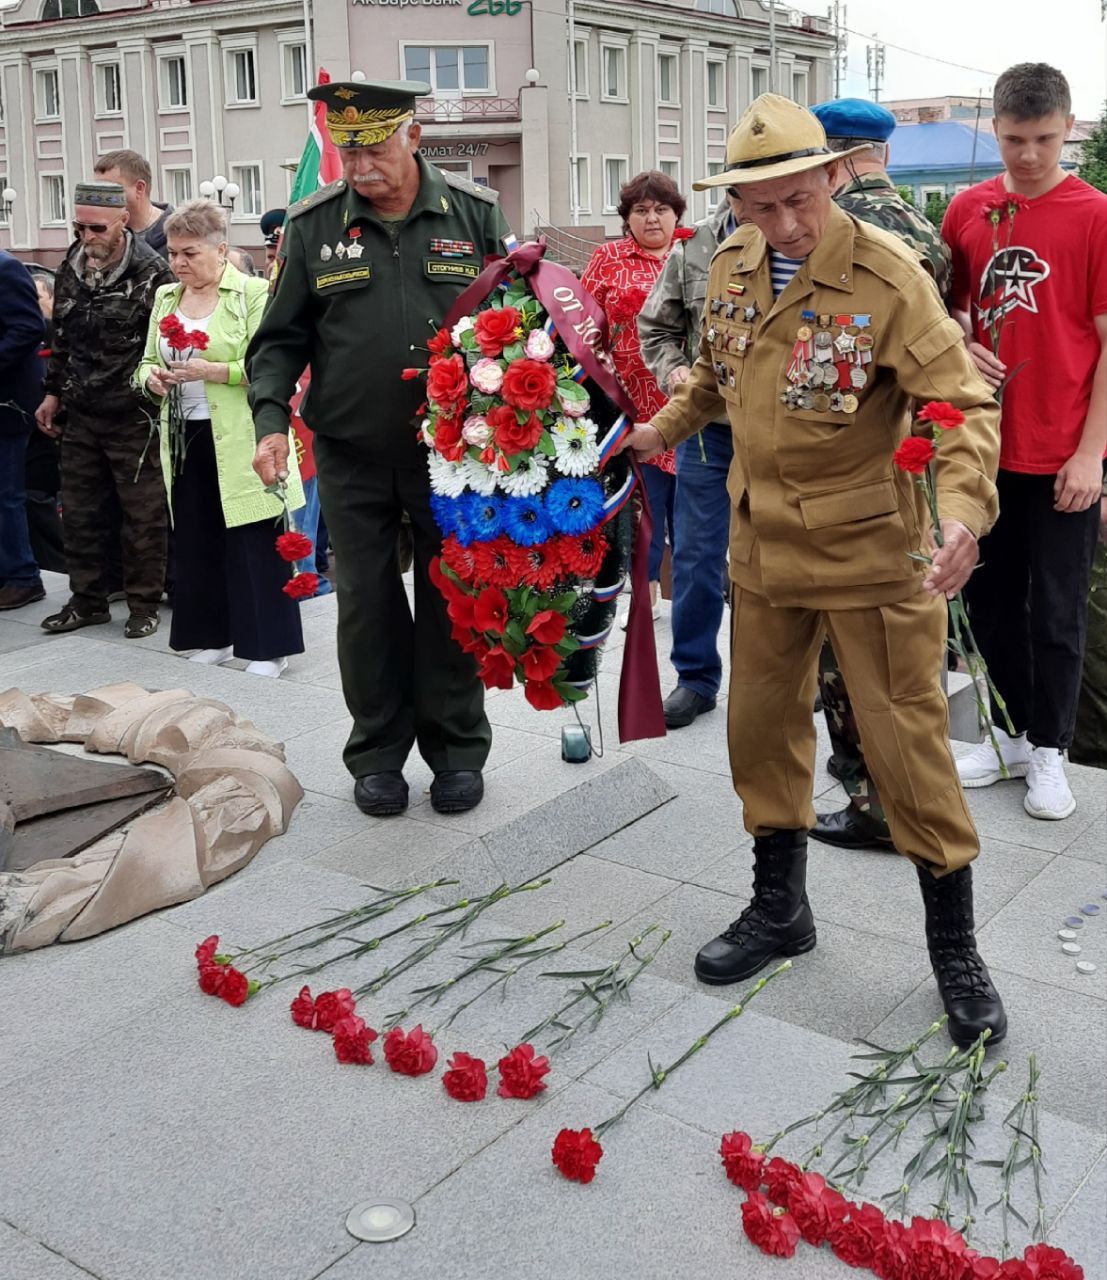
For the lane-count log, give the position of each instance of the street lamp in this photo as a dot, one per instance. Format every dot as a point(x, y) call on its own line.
point(8, 197)
point(218, 187)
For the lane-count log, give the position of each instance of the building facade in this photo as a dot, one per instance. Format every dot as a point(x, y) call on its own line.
point(555, 103)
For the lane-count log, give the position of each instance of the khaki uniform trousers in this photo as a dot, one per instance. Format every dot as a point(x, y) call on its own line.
point(891, 656)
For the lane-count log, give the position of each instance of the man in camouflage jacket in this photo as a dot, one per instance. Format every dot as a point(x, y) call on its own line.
point(669, 330)
point(103, 296)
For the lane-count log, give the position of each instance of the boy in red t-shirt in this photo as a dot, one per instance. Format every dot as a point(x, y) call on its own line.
point(1030, 279)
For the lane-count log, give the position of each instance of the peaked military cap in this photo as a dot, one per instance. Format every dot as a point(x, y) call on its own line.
point(103, 195)
point(361, 113)
point(855, 118)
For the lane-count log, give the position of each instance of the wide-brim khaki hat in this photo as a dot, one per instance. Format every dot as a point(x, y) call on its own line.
point(775, 137)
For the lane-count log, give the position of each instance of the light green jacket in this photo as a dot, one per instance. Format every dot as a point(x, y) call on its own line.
point(232, 325)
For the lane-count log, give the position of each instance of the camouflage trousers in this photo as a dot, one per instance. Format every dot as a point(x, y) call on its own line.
point(845, 739)
point(99, 456)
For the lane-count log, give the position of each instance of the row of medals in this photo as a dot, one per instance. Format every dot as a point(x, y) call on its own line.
point(827, 351)
point(729, 308)
point(341, 250)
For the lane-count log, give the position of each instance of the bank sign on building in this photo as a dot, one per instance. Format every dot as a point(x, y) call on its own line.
point(554, 103)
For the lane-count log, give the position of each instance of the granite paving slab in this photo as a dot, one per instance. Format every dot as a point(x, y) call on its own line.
point(1079, 1231)
point(22, 1258)
point(14, 636)
point(392, 851)
point(1091, 844)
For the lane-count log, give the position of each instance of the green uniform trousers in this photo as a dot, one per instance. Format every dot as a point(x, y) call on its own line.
point(404, 679)
point(891, 656)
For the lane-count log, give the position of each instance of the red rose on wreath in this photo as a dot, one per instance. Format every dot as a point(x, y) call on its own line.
point(448, 439)
point(352, 1039)
point(773, 1230)
point(521, 1073)
point(742, 1162)
point(467, 1079)
point(490, 611)
point(542, 696)
point(529, 384)
point(496, 328)
point(914, 454)
point(411, 1053)
point(447, 381)
point(440, 343)
point(497, 670)
point(302, 587)
point(942, 414)
point(511, 435)
point(540, 662)
point(547, 627)
point(293, 546)
point(576, 1154)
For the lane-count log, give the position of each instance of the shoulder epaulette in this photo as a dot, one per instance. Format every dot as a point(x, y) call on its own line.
point(328, 192)
point(459, 183)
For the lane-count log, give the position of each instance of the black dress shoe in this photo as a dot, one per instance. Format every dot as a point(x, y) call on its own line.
point(835, 766)
point(457, 791)
point(852, 828)
point(381, 795)
point(683, 705)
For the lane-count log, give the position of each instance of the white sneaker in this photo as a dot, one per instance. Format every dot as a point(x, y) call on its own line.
point(980, 768)
point(271, 669)
point(213, 657)
point(1047, 788)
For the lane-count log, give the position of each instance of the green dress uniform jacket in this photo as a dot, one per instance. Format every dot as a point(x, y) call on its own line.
point(360, 315)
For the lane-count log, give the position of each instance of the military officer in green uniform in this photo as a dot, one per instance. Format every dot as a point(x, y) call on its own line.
point(868, 193)
point(367, 269)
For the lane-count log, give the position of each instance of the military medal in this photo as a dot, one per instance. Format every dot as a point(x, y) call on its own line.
point(743, 341)
point(731, 307)
point(837, 402)
point(452, 248)
point(845, 342)
point(750, 313)
point(356, 249)
point(340, 250)
point(849, 403)
point(716, 306)
point(824, 346)
point(711, 334)
point(325, 253)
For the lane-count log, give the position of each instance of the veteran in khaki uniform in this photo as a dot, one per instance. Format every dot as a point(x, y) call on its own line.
point(847, 331)
point(366, 271)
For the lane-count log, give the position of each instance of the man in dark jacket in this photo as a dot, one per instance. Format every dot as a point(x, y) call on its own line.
point(103, 296)
point(145, 217)
point(21, 332)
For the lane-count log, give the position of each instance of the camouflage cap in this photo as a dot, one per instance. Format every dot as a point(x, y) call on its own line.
point(103, 195)
point(361, 113)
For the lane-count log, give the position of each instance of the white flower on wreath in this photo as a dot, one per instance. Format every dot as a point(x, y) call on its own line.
point(478, 476)
point(446, 478)
point(575, 443)
point(477, 432)
point(464, 324)
point(528, 478)
point(487, 376)
point(540, 345)
point(573, 408)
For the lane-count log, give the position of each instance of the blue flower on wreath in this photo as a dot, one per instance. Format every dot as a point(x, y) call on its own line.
point(525, 521)
point(575, 506)
point(484, 515)
point(445, 513)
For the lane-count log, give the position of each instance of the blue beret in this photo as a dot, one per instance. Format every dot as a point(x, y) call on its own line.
point(855, 118)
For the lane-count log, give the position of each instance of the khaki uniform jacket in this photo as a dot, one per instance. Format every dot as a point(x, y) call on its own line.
point(822, 518)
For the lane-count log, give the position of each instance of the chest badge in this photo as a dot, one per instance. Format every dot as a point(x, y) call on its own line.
point(325, 252)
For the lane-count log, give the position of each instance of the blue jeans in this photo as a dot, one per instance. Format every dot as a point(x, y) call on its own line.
point(702, 522)
point(661, 491)
point(17, 563)
point(307, 520)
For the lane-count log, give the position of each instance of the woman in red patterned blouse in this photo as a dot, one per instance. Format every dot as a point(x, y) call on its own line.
point(620, 275)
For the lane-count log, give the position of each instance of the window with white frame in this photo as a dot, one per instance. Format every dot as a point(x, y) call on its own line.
point(725, 7)
point(53, 199)
point(716, 85)
point(109, 89)
point(613, 65)
point(759, 81)
point(668, 79)
point(799, 87)
point(584, 184)
point(177, 185)
point(241, 78)
point(450, 69)
point(249, 201)
point(47, 94)
point(294, 71)
point(714, 167)
point(928, 192)
point(614, 177)
point(3, 202)
point(671, 169)
point(174, 82)
point(580, 67)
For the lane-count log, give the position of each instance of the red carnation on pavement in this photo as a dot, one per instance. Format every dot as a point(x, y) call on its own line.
point(891, 1259)
point(302, 587)
point(205, 952)
point(496, 328)
point(294, 546)
point(773, 1230)
point(576, 1154)
point(540, 663)
point(466, 1080)
point(742, 1162)
point(811, 1202)
point(854, 1239)
point(440, 343)
point(411, 1053)
point(780, 1176)
point(914, 454)
point(542, 695)
point(235, 987)
point(942, 414)
point(521, 1073)
point(352, 1039)
point(490, 611)
point(529, 384)
point(547, 627)
point(325, 1011)
point(936, 1251)
point(1044, 1262)
point(211, 978)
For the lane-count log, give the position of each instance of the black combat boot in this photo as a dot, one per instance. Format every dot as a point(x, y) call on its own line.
point(778, 922)
point(969, 998)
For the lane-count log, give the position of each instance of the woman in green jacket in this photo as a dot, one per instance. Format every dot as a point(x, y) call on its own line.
point(229, 598)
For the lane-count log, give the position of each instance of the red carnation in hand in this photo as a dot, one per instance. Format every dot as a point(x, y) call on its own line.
point(547, 627)
point(302, 587)
point(496, 328)
point(440, 343)
point(810, 1207)
point(448, 382)
point(540, 663)
point(942, 414)
point(467, 1079)
point(684, 233)
point(170, 324)
point(197, 339)
point(410, 1054)
point(352, 1039)
point(497, 669)
point(1044, 1262)
point(780, 1177)
point(914, 454)
point(542, 695)
point(294, 546)
point(854, 1239)
point(205, 952)
point(529, 384)
point(741, 1160)
point(521, 1073)
point(773, 1230)
point(576, 1154)
point(936, 1251)
point(490, 611)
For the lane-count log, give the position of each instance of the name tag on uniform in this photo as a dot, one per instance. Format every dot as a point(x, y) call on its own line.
point(345, 275)
point(445, 269)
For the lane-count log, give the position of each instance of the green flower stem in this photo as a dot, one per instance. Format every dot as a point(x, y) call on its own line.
point(472, 910)
point(1040, 1229)
point(658, 1077)
point(1016, 1120)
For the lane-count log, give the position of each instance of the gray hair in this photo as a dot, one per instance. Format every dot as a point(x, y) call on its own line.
point(845, 144)
point(198, 220)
